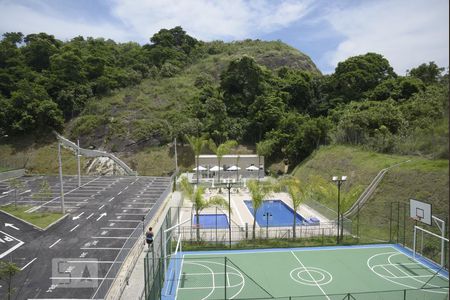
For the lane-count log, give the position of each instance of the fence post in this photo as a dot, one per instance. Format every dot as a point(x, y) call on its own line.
point(357, 224)
point(390, 224)
point(404, 294)
point(246, 231)
point(348, 296)
point(225, 278)
point(145, 277)
point(404, 224)
point(398, 220)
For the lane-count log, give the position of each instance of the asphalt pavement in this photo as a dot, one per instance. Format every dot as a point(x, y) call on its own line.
point(77, 257)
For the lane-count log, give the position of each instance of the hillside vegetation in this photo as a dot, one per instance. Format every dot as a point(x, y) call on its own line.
point(135, 99)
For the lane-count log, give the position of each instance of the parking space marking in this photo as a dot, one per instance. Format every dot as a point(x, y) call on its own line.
point(110, 237)
point(101, 207)
point(38, 207)
point(23, 268)
point(122, 228)
point(104, 248)
point(74, 228)
point(89, 216)
point(131, 221)
point(111, 199)
point(55, 243)
point(12, 248)
point(93, 262)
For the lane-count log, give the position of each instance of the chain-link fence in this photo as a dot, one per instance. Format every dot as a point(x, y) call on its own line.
point(373, 223)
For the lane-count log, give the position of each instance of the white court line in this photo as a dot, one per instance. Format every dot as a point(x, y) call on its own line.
point(74, 228)
point(89, 216)
point(55, 243)
point(307, 271)
point(23, 268)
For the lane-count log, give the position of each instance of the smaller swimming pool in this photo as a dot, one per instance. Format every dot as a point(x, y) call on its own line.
point(212, 220)
point(281, 214)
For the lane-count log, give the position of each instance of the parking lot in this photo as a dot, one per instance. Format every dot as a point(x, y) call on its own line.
point(79, 257)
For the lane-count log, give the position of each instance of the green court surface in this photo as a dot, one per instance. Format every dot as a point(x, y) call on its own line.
point(356, 272)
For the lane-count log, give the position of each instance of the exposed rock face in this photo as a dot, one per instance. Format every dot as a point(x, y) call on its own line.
point(104, 166)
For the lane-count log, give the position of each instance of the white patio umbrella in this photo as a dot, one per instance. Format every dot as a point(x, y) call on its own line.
point(252, 168)
point(233, 168)
point(200, 168)
point(215, 169)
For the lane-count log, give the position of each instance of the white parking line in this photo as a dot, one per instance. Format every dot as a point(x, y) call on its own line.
point(89, 216)
point(74, 228)
point(119, 193)
point(131, 221)
point(23, 268)
point(127, 214)
point(111, 199)
point(12, 248)
point(122, 228)
point(101, 207)
point(93, 262)
point(110, 237)
point(88, 248)
point(55, 243)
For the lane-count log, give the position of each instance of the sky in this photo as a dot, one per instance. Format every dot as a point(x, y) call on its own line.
point(406, 32)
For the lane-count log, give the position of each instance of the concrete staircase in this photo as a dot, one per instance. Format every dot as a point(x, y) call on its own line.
point(368, 192)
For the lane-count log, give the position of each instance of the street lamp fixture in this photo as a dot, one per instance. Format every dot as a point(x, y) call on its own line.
point(228, 186)
point(267, 215)
point(340, 221)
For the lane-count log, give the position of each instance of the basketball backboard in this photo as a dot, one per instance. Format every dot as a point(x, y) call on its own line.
point(420, 211)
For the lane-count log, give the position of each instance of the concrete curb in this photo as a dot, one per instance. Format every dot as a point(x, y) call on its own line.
point(31, 224)
point(11, 174)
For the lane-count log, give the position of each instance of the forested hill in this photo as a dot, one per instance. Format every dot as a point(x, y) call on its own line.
point(135, 99)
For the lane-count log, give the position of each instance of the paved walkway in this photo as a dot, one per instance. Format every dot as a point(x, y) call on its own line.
point(135, 287)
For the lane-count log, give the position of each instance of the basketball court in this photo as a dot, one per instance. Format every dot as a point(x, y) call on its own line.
point(346, 272)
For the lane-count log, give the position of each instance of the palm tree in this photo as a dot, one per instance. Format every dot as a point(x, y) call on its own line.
point(197, 144)
point(196, 195)
point(297, 192)
point(221, 150)
point(238, 157)
point(258, 192)
point(263, 148)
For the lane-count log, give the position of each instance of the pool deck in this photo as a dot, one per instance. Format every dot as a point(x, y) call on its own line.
point(240, 214)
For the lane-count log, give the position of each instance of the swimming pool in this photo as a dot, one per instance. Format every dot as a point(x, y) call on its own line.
point(282, 215)
point(211, 220)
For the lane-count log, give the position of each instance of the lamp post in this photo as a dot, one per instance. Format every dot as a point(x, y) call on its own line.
point(267, 215)
point(339, 182)
point(228, 187)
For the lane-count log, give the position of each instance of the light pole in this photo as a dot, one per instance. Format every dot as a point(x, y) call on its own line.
point(267, 215)
point(228, 187)
point(78, 163)
point(339, 182)
point(61, 179)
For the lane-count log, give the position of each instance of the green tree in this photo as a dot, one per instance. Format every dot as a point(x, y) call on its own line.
point(241, 83)
point(428, 73)
point(258, 192)
point(263, 148)
point(33, 109)
point(7, 272)
point(357, 75)
point(221, 150)
point(17, 186)
point(197, 144)
point(44, 193)
point(196, 195)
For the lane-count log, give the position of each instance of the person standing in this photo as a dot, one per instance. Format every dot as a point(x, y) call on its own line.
point(149, 237)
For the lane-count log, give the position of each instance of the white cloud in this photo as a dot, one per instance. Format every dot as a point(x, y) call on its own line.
point(206, 19)
point(16, 17)
point(406, 32)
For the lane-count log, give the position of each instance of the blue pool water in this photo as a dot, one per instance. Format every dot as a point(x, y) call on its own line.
point(282, 215)
point(210, 220)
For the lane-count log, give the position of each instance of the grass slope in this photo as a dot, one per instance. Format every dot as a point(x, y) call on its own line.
point(39, 219)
